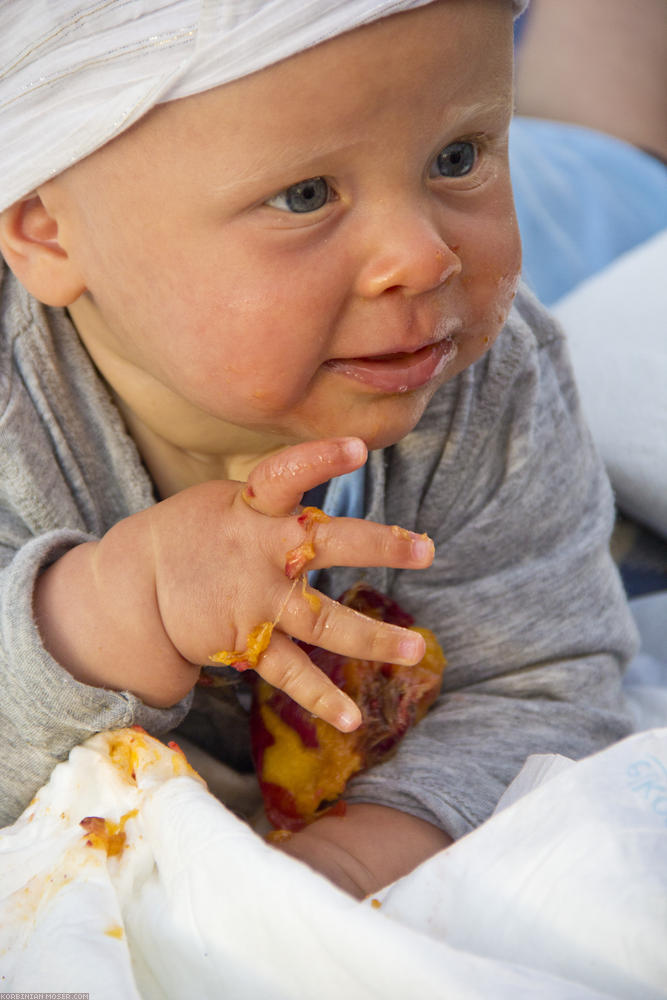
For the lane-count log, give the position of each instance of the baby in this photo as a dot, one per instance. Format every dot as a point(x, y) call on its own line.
point(293, 271)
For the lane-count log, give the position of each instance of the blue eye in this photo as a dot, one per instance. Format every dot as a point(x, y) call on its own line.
point(456, 160)
point(306, 196)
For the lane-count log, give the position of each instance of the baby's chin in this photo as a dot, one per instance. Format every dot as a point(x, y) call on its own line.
point(379, 420)
point(381, 423)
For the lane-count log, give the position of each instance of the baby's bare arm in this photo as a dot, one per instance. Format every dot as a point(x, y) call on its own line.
point(166, 589)
point(367, 848)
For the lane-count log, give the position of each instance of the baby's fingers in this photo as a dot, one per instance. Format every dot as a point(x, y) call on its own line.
point(276, 485)
point(339, 629)
point(347, 541)
point(287, 667)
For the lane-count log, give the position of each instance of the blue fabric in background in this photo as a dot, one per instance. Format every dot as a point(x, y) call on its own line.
point(340, 497)
point(519, 25)
point(583, 198)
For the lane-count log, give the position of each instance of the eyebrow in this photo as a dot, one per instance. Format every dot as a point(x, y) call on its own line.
point(261, 168)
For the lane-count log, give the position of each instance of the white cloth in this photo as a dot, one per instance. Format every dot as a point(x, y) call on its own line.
point(562, 893)
point(75, 74)
point(617, 335)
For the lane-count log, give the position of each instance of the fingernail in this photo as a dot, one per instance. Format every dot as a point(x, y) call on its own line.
point(354, 448)
point(411, 647)
point(349, 719)
point(422, 547)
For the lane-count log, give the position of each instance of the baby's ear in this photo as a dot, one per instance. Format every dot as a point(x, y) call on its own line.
point(29, 243)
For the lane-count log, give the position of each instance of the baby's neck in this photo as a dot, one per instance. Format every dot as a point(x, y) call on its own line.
point(174, 468)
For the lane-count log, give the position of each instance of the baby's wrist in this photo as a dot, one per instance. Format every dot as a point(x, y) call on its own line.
point(97, 617)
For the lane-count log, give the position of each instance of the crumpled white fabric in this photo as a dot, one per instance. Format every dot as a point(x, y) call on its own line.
point(76, 73)
point(561, 894)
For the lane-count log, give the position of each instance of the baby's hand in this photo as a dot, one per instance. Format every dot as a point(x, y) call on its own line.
point(214, 570)
point(226, 559)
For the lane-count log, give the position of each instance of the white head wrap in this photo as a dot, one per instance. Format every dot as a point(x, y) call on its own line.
point(76, 73)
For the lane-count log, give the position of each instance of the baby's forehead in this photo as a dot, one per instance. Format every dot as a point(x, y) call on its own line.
point(81, 73)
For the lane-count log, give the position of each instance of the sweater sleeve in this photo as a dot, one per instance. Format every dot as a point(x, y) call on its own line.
point(44, 712)
point(69, 471)
point(523, 593)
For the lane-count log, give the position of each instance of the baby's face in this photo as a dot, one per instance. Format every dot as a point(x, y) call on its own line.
point(314, 249)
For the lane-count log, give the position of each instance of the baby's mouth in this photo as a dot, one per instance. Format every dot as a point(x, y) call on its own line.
point(399, 372)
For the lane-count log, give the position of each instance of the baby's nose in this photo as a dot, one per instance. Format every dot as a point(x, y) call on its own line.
point(410, 255)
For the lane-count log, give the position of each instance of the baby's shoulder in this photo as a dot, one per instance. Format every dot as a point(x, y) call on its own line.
point(530, 339)
point(32, 339)
point(13, 322)
point(531, 323)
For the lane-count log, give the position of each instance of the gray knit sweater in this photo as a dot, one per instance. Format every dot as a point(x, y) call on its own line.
point(522, 594)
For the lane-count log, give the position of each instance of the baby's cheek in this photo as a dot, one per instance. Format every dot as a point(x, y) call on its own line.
point(508, 285)
point(489, 298)
point(497, 278)
point(491, 301)
point(270, 391)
